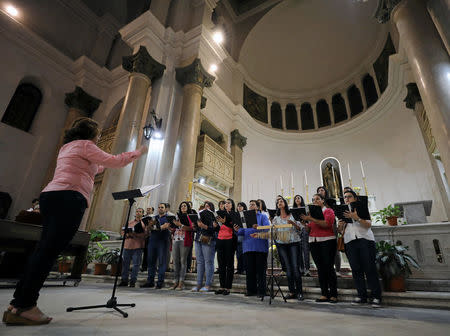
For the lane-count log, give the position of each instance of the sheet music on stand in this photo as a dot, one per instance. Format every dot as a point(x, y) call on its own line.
point(135, 193)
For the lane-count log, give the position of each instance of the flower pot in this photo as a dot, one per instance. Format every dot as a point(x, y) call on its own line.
point(64, 267)
point(396, 284)
point(100, 268)
point(84, 271)
point(392, 221)
point(115, 269)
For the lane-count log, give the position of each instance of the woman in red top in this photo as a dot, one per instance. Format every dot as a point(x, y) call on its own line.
point(322, 244)
point(225, 247)
point(65, 197)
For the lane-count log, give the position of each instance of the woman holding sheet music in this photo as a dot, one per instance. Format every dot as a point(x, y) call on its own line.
point(322, 244)
point(360, 249)
point(241, 207)
point(226, 245)
point(303, 257)
point(181, 244)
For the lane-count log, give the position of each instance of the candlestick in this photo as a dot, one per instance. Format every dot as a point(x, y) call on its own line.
point(334, 182)
point(350, 183)
point(282, 192)
point(365, 185)
point(349, 175)
point(307, 194)
point(362, 169)
point(293, 194)
point(189, 195)
point(281, 183)
point(292, 180)
point(306, 179)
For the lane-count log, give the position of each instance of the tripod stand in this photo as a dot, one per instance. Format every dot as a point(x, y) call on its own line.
point(272, 280)
point(112, 302)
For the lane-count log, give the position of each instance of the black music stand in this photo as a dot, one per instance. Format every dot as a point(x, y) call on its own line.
point(272, 280)
point(112, 302)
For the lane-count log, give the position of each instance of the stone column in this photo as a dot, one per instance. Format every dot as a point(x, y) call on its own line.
point(193, 78)
point(362, 93)
point(283, 115)
point(80, 104)
point(314, 111)
point(430, 64)
point(439, 11)
point(238, 142)
point(143, 70)
point(374, 76)
point(413, 101)
point(269, 113)
point(329, 101)
point(347, 105)
point(299, 118)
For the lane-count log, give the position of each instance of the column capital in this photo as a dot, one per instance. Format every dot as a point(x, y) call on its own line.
point(194, 73)
point(384, 10)
point(83, 101)
point(143, 63)
point(238, 139)
point(413, 96)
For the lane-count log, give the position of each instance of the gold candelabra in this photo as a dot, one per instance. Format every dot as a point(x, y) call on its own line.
point(365, 185)
point(307, 194)
point(350, 183)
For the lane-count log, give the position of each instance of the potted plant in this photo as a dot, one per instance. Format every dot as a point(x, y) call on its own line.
point(98, 235)
point(64, 263)
point(389, 214)
point(112, 257)
point(89, 257)
point(393, 264)
point(99, 257)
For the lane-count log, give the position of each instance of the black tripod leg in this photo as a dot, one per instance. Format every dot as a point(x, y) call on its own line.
point(85, 307)
point(279, 289)
point(125, 315)
point(126, 305)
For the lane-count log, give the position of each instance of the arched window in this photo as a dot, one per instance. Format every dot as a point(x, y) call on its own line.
point(369, 90)
point(355, 101)
point(339, 109)
point(306, 114)
point(275, 116)
point(323, 113)
point(291, 117)
point(23, 106)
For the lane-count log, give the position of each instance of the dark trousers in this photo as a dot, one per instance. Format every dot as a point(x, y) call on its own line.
point(303, 255)
point(225, 258)
point(361, 256)
point(323, 254)
point(62, 212)
point(256, 265)
point(157, 252)
point(240, 258)
point(289, 253)
point(189, 260)
point(144, 255)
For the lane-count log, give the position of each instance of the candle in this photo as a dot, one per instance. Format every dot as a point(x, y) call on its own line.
point(292, 180)
point(362, 169)
point(281, 183)
point(349, 175)
point(306, 180)
point(190, 187)
point(334, 182)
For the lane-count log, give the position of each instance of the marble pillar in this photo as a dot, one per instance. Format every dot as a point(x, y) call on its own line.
point(430, 64)
point(80, 104)
point(109, 214)
point(193, 78)
point(238, 142)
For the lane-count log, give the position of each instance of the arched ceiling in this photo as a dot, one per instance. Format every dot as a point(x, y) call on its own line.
point(306, 45)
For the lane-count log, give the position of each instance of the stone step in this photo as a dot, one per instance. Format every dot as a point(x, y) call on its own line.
point(410, 298)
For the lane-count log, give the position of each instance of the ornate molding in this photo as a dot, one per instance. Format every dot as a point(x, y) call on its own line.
point(143, 63)
point(384, 10)
point(238, 139)
point(203, 103)
point(413, 96)
point(194, 73)
point(83, 101)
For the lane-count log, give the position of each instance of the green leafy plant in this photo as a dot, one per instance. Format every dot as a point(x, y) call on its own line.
point(98, 235)
point(90, 254)
point(389, 211)
point(64, 259)
point(112, 257)
point(393, 261)
point(99, 253)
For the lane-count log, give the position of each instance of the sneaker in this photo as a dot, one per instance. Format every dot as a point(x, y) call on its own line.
point(300, 297)
point(148, 285)
point(358, 301)
point(132, 284)
point(376, 303)
point(195, 289)
point(123, 283)
point(205, 289)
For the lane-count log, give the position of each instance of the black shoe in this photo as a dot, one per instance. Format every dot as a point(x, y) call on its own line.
point(260, 296)
point(320, 300)
point(123, 284)
point(143, 269)
point(226, 292)
point(290, 296)
point(159, 286)
point(249, 294)
point(148, 285)
point(334, 300)
point(132, 284)
point(358, 301)
point(219, 291)
point(300, 297)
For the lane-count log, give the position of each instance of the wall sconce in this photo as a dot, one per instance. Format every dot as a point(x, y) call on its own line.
point(149, 130)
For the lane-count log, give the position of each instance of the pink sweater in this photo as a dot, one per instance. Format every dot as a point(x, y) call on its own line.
point(79, 161)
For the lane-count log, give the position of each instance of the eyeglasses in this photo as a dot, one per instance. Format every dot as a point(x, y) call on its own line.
point(348, 196)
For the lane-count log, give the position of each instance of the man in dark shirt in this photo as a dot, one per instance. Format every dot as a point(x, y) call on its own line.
point(158, 245)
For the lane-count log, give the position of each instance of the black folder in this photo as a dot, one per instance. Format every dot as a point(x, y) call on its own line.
point(194, 218)
point(315, 211)
point(250, 218)
point(207, 217)
point(339, 212)
point(297, 212)
point(170, 220)
point(272, 212)
point(183, 219)
point(362, 208)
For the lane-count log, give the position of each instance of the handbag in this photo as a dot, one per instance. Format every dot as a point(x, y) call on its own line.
point(205, 239)
point(340, 241)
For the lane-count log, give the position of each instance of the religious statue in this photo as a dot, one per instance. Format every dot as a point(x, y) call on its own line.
point(332, 182)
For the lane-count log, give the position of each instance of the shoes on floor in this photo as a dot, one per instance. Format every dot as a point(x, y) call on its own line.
point(322, 300)
point(290, 296)
point(333, 300)
point(205, 289)
point(195, 289)
point(300, 297)
point(180, 286)
point(249, 294)
point(174, 286)
point(219, 291)
point(132, 284)
point(358, 301)
point(159, 285)
point(226, 292)
point(148, 285)
point(376, 303)
point(123, 284)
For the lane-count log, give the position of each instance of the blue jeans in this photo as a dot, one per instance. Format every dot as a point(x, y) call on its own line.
point(157, 251)
point(289, 253)
point(205, 262)
point(128, 256)
point(304, 252)
point(240, 258)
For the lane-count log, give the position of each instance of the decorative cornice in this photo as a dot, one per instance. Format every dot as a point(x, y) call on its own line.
point(83, 101)
point(413, 96)
point(384, 10)
point(203, 103)
point(143, 63)
point(194, 73)
point(238, 139)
